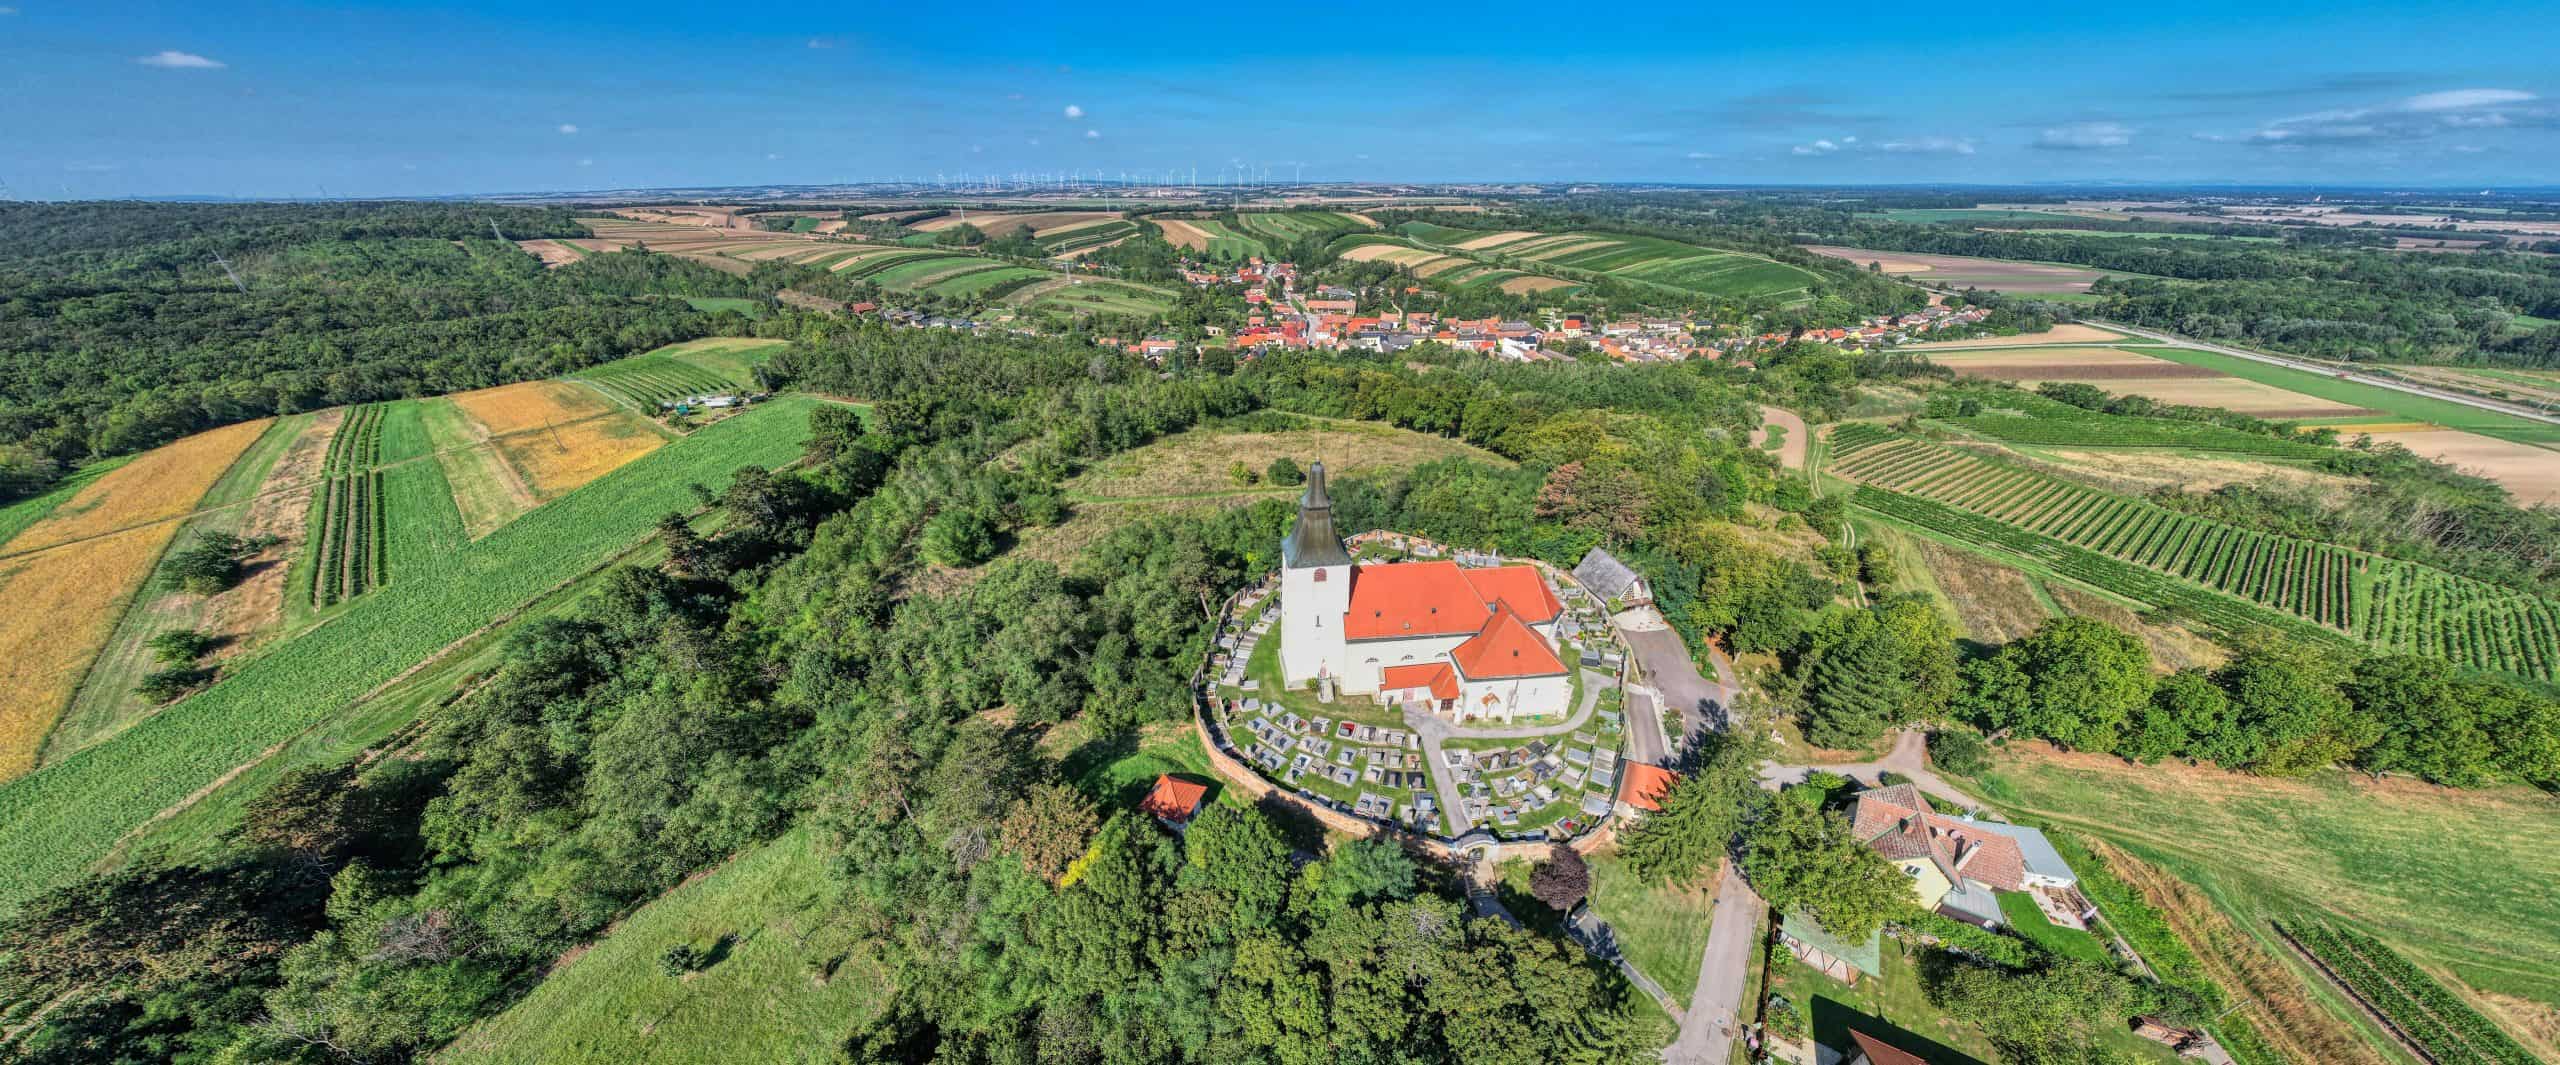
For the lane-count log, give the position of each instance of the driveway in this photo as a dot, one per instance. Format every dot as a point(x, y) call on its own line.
point(1909, 757)
point(1670, 671)
point(1715, 1013)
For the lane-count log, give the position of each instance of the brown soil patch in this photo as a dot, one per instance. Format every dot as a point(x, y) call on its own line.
point(1183, 234)
point(1436, 267)
point(552, 253)
point(835, 225)
point(1391, 253)
point(2537, 1023)
point(1791, 448)
point(280, 510)
point(2529, 473)
point(2279, 1004)
point(1522, 285)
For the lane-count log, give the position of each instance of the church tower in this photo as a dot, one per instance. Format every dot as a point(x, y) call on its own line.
point(1315, 589)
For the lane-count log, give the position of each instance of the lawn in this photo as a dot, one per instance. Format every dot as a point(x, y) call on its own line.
point(1661, 928)
point(2442, 412)
point(1968, 215)
point(1118, 770)
point(57, 821)
point(790, 978)
point(715, 304)
point(2026, 919)
point(2461, 880)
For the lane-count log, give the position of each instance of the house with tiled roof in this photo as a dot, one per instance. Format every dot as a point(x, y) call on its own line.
point(1468, 642)
point(1866, 1049)
point(1173, 800)
point(1956, 866)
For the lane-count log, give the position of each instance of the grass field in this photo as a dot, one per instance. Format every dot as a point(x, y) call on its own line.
point(1963, 271)
point(68, 577)
point(57, 821)
point(486, 492)
point(738, 304)
point(789, 980)
point(2459, 879)
point(15, 517)
point(2442, 412)
point(1970, 215)
point(642, 382)
point(1649, 261)
point(1661, 928)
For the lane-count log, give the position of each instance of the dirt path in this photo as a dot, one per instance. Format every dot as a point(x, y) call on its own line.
point(1793, 440)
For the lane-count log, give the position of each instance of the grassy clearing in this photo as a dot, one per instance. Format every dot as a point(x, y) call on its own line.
point(2442, 412)
point(1662, 928)
point(2028, 920)
point(2458, 879)
point(738, 304)
point(790, 979)
point(486, 492)
point(54, 823)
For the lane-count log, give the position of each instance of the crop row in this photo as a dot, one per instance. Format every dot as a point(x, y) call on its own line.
point(2098, 429)
point(2416, 610)
point(58, 820)
point(2447, 1028)
point(346, 541)
point(2394, 605)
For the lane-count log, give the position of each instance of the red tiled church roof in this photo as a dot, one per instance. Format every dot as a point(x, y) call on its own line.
point(1433, 675)
point(1400, 600)
point(1506, 648)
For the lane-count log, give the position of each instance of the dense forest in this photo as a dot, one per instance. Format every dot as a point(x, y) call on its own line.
point(115, 337)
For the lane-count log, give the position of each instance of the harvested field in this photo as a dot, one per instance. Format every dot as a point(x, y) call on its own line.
point(1961, 271)
point(832, 225)
point(1492, 239)
point(1182, 234)
point(552, 252)
point(1519, 285)
point(2136, 472)
point(2529, 473)
point(267, 492)
point(2065, 333)
point(2131, 372)
point(1393, 253)
point(68, 577)
point(1441, 265)
point(1040, 223)
point(556, 435)
point(487, 492)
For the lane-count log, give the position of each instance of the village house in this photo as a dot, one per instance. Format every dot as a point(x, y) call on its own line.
point(1958, 866)
point(1468, 642)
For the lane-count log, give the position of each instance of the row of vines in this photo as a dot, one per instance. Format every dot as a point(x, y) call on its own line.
point(2165, 555)
point(2426, 1014)
point(350, 523)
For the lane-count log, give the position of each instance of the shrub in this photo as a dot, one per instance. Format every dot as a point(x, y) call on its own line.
point(1958, 751)
point(680, 959)
point(1562, 880)
point(180, 646)
point(168, 684)
point(1284, 471)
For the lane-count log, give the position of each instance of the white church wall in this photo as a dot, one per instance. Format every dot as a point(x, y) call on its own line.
point(1366, 661)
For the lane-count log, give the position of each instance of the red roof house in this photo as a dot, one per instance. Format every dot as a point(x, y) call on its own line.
point(1174, 801)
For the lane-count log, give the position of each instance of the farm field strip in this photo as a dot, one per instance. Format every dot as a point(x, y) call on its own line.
point(2418, 1008)
point(2357, 394)
point(97, 549)
point(57, 821)
point(2389, 603)
point(348, 524)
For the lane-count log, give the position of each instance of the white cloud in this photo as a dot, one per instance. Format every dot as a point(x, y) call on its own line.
point(1820, 147)
point(586, 162)
point(1702, 155)
point(1093, 134)
point(7, 11)
point(2084, 136)
point(174, 60)
point(771, 156)
point(821, 42)
point(1931, 146)
point(1074, 112)
point(2415, 118)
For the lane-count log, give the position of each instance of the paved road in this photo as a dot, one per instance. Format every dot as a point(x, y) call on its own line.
point(1909, 757)
point(1715, 1012)
point(2467, 400)
point(1669, 669)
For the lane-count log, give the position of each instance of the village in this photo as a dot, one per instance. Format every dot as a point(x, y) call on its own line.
point(1330, 318)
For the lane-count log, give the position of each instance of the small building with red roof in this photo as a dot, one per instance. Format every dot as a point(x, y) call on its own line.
point(1471, 642)
point(1174, 801)
point(1642, 786)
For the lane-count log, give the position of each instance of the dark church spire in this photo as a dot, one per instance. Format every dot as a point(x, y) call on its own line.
point(1312, 541)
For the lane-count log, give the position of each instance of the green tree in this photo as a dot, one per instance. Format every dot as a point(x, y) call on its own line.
point(210, 564)
point(1806, 859)
point(1700, 812)
point(959, 536)
point(1284, 471)
point(2075, 681)
point(180, 646)
point(1240, 857)
point(2300, 719)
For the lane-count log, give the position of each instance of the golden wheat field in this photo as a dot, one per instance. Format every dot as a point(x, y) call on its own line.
point(557, 435)
point(67, 577)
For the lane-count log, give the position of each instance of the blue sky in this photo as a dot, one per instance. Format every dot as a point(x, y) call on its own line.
point(280, 99)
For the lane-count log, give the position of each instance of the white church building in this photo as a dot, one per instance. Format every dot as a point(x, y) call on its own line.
point(1467, 642)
